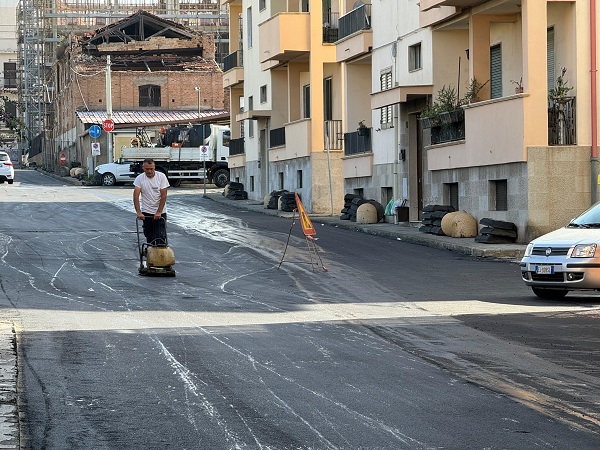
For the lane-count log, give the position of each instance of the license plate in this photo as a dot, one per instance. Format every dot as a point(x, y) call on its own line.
point(544, 270)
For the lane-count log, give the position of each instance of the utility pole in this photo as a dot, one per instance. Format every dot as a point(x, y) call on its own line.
point(109, 143)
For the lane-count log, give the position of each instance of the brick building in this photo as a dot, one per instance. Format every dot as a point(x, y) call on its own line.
point(161, 73)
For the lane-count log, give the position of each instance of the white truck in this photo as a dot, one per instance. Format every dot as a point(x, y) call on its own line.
point(184, 153)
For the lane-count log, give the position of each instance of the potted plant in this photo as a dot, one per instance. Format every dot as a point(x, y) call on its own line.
point(473, 90)
point(559, 93)
point(362, 128)
point(444, 110)
point(518, 85)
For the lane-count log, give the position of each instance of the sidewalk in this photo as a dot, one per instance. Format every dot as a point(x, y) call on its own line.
point(9, 417)
point(401, 231)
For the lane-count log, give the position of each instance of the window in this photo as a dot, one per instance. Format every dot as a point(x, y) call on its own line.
point(550, 57)
point(452, 195)
point(328, 98)
point(263, 94)
point(414, 57)
point(280, 180)
point(251, 122)
point(496, 71)
point(306, 101)
point(385, 80)
point(499, 195)
point(251, 183)
point(149, 95)
point(262, 4)
point(10, 75)
point(249, 26)
point(299, 179)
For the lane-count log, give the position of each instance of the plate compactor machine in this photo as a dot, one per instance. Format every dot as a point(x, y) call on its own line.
point(156, 257)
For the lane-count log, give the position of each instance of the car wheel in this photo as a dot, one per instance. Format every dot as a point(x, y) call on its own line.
point(550, 294)
point(108, 179)
point(221, 178)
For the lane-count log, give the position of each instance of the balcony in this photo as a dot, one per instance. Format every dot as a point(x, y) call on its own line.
point(358, 142)
point(277, 137)
point(284, 37)
point(355, 37)
point(293, 141)
point(333, 135)
point(236, 147)
point(233, 69)
point(331, 30)
point(562, 123)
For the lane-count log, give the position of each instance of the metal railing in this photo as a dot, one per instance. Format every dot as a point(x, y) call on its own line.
point(356, 20)
point(562, 122)
point(358, 142)
point(236, 147)
point(331, 22)
point(333, 134)
point(232, 60)
point(277, 137)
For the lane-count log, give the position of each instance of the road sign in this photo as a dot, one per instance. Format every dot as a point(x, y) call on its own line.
point(204, 153)
point(108, 125)
point(63, 158)
point(95, 131)
point(95, 148)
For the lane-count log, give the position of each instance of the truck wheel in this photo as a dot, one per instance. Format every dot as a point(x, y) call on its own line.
point(175, 183)
point(221, 178)
point(108, 179)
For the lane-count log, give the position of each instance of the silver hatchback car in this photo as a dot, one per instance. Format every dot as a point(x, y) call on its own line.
point(566, 259)
point(7, 171)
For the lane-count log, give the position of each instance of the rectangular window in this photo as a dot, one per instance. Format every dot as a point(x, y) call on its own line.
point(550, 57)
point(306, 101)
point(251, 122)
point(299, 179)
point(414, 57)
point(499, 195)
point(249, 27)
point(280, 180)
point(10, 75)
point(262, 4)
point(496, 71)
point(385, 80)
point(149, 95)
point(328, 98)
point(251, 183)
point(263, 94)
point(451, 195)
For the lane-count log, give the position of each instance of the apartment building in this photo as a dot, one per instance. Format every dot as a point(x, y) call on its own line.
point(519, 146)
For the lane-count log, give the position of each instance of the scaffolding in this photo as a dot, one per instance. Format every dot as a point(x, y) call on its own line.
point(43, 24)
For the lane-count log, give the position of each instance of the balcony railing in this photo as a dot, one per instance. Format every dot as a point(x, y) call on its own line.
point(333, 134)
point(562, 123)
point(232, 60)
point(277, 137)
point(358, 142)
point(236, 147)
point(356, 20)
point(331, 24)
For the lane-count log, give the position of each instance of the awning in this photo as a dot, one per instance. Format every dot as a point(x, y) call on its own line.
point(399, 94)
point(125, 119)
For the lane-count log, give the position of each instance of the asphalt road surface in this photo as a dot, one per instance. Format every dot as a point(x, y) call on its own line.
point(397, 346)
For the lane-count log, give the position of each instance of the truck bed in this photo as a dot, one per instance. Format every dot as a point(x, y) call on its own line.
point(161, 153)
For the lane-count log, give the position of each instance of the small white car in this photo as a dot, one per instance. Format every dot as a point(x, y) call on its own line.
point(566, 259)
point(114, 173)
point(7, 171)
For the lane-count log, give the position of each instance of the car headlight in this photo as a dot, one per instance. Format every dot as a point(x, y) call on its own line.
point(584, 251)
point(528, 250)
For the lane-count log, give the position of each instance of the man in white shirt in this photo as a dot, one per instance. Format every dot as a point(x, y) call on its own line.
point(151, 186)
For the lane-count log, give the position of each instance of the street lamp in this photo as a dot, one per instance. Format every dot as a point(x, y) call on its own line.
point(197, 89)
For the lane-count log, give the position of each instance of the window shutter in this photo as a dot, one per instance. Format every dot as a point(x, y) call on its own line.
point(496, 71)
point(550, 58)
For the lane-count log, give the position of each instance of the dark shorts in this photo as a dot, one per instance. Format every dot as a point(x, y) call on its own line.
point(155, 230)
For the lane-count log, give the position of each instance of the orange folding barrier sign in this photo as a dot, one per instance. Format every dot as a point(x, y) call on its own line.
point(307, 227)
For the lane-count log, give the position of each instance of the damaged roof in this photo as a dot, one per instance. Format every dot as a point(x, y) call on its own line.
point(140, 26)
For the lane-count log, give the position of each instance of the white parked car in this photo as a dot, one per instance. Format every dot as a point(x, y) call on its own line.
point(7, 171)
point(566, 259)
point(114, 173)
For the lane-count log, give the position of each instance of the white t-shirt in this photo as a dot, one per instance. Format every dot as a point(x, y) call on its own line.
point(150, 195)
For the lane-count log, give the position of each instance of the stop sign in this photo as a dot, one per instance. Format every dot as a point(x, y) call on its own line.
point(108, 125)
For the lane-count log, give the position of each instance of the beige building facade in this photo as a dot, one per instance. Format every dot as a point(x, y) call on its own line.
point(521, 148)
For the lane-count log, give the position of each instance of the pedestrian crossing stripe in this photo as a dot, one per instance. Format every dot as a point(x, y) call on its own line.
point(307, 227)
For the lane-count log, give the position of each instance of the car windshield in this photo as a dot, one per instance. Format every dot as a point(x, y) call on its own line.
point(588, 219)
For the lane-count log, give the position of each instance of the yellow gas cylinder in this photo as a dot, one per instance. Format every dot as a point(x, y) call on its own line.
point(160, 257)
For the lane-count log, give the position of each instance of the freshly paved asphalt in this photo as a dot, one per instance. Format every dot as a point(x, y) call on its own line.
point(9, 419)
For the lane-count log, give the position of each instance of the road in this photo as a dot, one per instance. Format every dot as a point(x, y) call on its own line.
point(397, 346)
